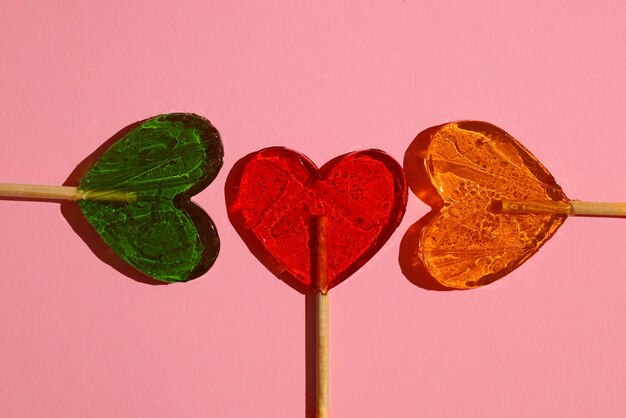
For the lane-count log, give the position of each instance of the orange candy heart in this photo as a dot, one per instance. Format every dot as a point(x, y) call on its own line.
point(464, 170)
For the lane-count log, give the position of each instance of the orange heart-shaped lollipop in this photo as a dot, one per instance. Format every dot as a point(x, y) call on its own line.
point(465, 171)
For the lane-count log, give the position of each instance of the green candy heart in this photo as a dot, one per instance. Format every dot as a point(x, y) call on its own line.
point(163, 162)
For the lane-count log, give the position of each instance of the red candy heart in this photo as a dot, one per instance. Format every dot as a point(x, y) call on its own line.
point(277, 193)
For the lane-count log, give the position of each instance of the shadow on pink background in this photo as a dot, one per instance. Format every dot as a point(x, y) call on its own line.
point(81, 339)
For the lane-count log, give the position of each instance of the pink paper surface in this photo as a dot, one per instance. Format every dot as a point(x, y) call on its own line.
point(79, 339)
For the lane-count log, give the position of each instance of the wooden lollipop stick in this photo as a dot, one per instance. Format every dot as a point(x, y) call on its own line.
point(607, 209)
point(321, 310)
point(36, 191)
point(572, 208)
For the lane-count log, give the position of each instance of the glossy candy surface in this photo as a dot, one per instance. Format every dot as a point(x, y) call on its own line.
point(280, 191)
point(163, 161)
point(465, 170)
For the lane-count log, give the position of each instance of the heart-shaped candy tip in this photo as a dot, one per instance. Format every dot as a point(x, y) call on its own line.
point(464, 170)
point(278, 194)
point(163, 161)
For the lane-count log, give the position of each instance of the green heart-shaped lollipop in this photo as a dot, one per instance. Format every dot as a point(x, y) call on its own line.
point(160, 164)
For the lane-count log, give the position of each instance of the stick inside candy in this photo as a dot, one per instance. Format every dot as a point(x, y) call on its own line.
point(321, 316)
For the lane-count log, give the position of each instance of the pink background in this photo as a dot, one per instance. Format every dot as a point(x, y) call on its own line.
point(79, 339)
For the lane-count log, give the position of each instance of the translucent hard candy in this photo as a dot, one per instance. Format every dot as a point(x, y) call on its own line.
point(162, 161)
point(464, 170)
point(279, 193)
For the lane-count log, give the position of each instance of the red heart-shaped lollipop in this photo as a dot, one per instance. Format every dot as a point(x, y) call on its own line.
point(277, 193)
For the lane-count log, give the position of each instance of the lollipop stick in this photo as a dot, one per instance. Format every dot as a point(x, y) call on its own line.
point(321, 383)
point(605, 209)
point(321, 311)
point(36, 191)
point(572, 208)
